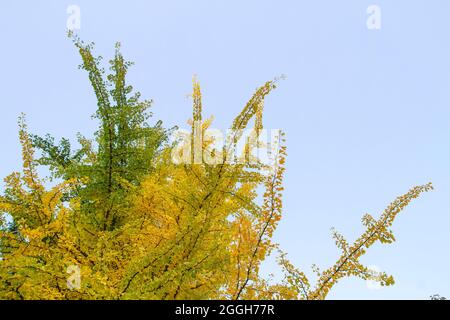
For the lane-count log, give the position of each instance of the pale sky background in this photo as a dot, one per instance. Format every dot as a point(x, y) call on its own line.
point(366, 112)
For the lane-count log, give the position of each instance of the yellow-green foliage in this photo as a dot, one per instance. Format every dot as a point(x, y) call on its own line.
point(139, 226)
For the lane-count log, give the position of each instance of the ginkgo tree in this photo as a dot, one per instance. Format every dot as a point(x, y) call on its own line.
point(139, 225)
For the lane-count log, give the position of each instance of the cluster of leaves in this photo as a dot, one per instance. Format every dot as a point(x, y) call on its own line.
point(139, 226)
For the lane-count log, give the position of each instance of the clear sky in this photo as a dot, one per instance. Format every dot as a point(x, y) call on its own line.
point(366, 112)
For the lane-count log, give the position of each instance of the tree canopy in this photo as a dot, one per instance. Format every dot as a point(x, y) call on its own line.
point(134, 224)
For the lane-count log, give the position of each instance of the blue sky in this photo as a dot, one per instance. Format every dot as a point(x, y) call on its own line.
point(366, 112)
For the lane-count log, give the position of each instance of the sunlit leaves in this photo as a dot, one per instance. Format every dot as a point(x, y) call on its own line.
point(138, 225)
point(377, 230)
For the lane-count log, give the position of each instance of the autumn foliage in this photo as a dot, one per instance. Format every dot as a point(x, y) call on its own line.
point(137, 225)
